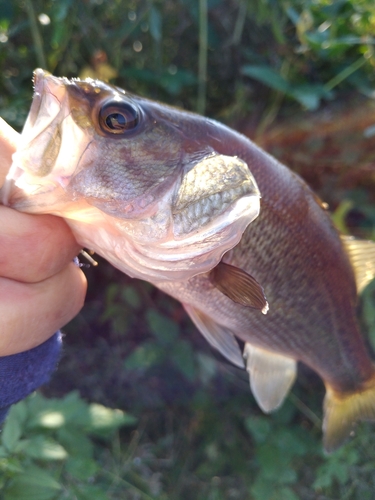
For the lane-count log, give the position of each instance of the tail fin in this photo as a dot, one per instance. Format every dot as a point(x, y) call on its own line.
point(343, 410)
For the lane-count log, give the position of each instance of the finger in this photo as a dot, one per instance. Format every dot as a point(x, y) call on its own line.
point(8, 143)
point(31, 313)
point(34, 247)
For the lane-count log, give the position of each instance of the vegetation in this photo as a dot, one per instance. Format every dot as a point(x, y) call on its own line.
point(195, 432)
point(203, 54)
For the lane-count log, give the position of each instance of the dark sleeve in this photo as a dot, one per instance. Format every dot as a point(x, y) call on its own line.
point(22, 373)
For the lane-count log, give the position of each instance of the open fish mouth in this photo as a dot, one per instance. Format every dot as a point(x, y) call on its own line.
point(151, 220)
point(45, 160)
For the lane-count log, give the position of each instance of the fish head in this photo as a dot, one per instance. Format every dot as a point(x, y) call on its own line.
point(136, 186)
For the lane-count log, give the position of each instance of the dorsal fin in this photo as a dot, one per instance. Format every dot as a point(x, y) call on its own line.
point(239, 286)
point(271, 376)
point(218, 336)
point(362, 257)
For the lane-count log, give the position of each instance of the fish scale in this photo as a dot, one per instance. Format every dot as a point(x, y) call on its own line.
point(304, 328)
point(251, 253)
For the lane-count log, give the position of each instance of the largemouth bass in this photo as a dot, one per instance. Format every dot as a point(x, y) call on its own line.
point(208, 217)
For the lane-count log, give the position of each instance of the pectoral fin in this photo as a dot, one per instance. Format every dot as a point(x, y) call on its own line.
point(362, 257)
point(271, 376)
point(239, 286)
point(218, 336)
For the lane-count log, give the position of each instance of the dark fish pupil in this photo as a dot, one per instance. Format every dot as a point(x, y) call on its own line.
point(118, 117)
point(116, 121)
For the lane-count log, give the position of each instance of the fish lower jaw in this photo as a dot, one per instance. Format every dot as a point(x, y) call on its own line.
point(32, 204)
point(152, 259)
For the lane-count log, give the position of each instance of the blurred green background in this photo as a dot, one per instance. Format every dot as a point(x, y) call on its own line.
point(298, 77)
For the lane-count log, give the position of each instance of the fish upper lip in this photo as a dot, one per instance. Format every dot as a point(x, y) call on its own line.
point(39, 76)
point(44, 82)
point(38, 80)
point(45, 86)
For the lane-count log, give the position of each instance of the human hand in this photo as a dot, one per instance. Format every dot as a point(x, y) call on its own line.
point(41, 289)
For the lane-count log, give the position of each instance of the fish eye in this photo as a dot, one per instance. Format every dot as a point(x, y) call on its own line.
point(118, 117)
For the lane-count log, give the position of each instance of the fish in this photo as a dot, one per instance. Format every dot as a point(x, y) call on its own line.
point(204, 214)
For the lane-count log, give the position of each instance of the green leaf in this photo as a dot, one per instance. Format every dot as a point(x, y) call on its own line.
point(131, 296)
point(306, 94)
point(267, 76)
point(287, 494)
point(42, 448)
point(147, 355)
point(309, 95)
point(61, 10)
point(265, 488)
point(105, 419)
point(207, 367)
point(182, 356)
point(49, 419)
point(90, 492)
point(275, 465)
point(20, 412)
point(56, 413)
point(290, 442)
point(75, 442)
point(81, 468)
point(172, 83)
point(164, 329)
point(34, 475)
point(12, 431)
point(336, 468)
point(175, 83)
point(20, 491)
point(32, 484)
point(259, 428)
point(11, 464)
point(262, 488)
